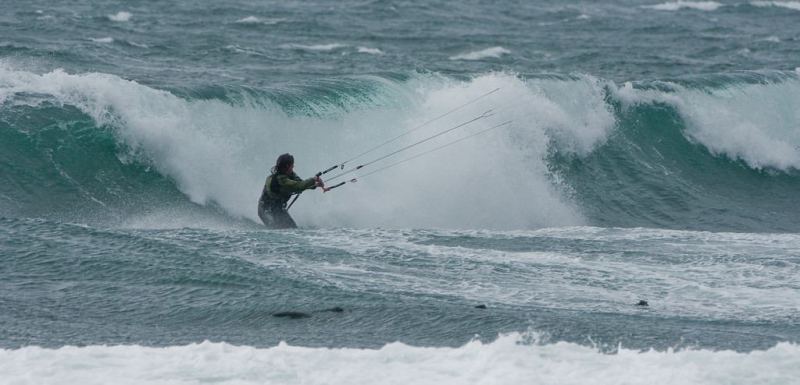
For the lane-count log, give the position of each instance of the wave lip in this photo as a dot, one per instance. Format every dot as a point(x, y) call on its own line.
point(511, 359)
point(677, 5)
point(493, 52)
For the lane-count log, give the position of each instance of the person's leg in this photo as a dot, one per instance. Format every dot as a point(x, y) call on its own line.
point(282, 219)
point(264, 214)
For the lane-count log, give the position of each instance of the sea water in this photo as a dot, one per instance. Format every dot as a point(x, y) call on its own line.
point(652, 155)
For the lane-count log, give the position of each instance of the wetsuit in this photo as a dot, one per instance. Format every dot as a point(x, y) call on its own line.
point(277, 190)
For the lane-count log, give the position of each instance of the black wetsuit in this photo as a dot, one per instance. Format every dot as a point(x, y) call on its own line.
point(277, 190)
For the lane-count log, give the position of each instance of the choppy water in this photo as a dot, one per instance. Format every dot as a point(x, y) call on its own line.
point(653, 155)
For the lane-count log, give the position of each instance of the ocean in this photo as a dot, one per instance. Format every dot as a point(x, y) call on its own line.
point(568, 192)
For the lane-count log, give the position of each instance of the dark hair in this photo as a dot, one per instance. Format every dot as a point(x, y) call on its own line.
point(283, 163)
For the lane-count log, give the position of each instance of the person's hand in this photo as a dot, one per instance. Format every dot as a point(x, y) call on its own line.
point(319, 183)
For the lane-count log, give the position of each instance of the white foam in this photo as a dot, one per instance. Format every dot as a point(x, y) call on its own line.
point(120, 16)
point(220, 153)
point(371, 51)
point(677, 5)
point(772, 39)
point(104, 40)
point(314, 47)
point(493, 52)
point(793, 5)
point(504, 361)
point(755, 123)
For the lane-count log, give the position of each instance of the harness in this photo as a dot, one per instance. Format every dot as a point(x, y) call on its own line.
point(273, 201)
point(274, 186)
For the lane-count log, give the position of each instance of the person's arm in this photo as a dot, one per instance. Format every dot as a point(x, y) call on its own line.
point(294, 184)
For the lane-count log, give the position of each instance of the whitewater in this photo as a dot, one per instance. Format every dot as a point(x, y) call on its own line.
point(634, 223)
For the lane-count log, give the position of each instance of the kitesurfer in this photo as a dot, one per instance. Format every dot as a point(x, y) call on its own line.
point(278, 188)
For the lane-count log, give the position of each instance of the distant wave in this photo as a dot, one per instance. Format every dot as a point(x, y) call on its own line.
point(258, 20)
point(674, 6)
point(248, 51)
point(104, 40)
point(372, 51)
point(314, 47)
point(140, 45)
point(772, 39)
point(120, 16)
point(795, 5)
point(494, 52)
point(45, 17)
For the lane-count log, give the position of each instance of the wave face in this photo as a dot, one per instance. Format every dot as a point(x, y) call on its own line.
point(709, 153)
point(715, 153)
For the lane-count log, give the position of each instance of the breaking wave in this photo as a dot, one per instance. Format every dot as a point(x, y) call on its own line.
point(683, 154)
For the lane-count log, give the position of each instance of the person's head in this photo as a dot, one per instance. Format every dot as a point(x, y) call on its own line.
point(284, 164)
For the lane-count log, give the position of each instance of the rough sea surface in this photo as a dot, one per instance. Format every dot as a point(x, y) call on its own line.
point(652, 154)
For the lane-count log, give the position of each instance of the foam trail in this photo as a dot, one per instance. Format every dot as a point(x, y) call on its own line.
point(717, 279)
point(508, 360)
